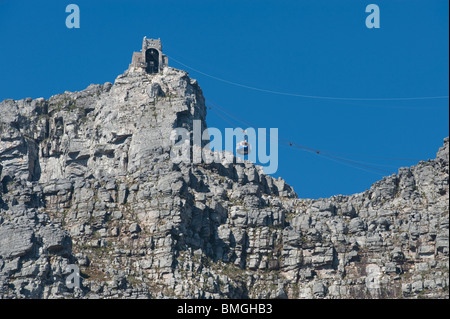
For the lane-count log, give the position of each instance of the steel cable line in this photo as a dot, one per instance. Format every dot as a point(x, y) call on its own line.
point(365, 166)
point(237, 118)
point(328, 154)
point(324, 154)
point(355, 166)
point(308, 96)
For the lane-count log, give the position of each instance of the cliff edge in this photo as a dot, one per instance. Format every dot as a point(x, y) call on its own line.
point(87, 181)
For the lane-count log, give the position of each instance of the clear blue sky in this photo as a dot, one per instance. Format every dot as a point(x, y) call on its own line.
point(314, 47)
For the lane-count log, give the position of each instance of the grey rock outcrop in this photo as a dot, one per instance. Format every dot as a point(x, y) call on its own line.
point(87, 180)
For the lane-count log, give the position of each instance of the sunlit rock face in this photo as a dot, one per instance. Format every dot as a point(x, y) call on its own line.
point(87, 180)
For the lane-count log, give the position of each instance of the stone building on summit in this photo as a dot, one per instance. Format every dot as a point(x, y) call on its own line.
point(151, 58)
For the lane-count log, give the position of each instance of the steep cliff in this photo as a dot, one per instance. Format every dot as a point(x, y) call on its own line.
point(87, 180)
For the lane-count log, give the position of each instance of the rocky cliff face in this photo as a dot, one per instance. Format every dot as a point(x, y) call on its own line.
point(87, 180)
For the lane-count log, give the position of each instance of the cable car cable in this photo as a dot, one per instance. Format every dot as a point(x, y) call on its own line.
point(310, 96)
point(327, 154)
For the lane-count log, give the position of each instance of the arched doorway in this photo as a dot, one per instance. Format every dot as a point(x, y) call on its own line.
point(152, 60)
